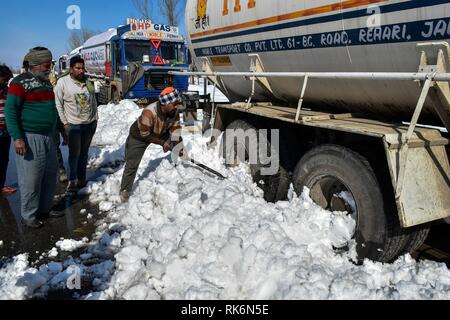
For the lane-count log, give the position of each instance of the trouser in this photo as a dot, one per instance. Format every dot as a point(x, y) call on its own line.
point(5, 143)
point(37, 172)
point(80, 138)
point(59, 156)
point(134, 151)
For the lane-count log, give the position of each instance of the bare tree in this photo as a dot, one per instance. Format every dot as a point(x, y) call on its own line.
point(170, 10)
point(143, 8)
point(77, 38)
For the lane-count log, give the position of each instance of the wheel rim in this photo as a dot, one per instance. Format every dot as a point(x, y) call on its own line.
point(332, 194)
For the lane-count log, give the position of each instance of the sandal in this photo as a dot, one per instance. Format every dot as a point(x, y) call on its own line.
point(8, 190)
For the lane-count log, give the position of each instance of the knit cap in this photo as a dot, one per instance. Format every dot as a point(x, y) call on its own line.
point(169, 95)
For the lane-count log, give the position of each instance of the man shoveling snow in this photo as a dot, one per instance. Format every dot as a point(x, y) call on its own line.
point(157, 124)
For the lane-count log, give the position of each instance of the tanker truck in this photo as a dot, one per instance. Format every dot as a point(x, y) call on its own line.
point(358, 94)
point(133, 61)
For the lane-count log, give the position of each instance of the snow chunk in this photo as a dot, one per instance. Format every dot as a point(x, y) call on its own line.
point(70, 245)
point(53, 253)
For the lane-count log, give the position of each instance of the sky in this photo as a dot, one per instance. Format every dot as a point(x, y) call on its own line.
point(25, 24)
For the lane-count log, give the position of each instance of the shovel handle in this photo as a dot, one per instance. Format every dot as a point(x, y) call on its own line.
point(207, 169)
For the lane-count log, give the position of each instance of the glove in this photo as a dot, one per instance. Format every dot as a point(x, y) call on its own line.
point(167, 147)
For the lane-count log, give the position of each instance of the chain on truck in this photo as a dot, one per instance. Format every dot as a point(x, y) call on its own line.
point(133, 61)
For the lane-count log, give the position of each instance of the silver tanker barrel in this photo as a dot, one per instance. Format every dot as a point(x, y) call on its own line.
point(321, 36)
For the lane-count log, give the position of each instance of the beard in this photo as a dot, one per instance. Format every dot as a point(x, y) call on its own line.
point(43, 76)
point(79, 77)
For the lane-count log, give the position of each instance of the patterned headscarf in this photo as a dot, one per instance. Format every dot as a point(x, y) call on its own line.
point(169, 95)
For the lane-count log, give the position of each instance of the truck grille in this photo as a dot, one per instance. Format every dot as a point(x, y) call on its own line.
point(157, 80)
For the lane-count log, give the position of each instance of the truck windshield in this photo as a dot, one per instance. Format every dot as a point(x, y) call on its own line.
point(171, 52)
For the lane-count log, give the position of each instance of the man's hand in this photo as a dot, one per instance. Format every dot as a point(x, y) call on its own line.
point(166, 147)
point(21, 147)
point(65, 139)
point(66, 128)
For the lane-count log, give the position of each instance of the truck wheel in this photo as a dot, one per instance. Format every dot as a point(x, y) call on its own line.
point(102, 96)
point(341, 180)
point(416, 237)
point(275, 186)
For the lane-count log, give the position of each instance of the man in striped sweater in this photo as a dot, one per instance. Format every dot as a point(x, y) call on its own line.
point(157, 124)
point(5, 139)
point(31, 118)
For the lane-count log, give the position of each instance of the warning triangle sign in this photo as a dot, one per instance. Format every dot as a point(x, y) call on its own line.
point(158, 60)
point(156, 44)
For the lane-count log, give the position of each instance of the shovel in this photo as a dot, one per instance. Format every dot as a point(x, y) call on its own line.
point(202, 166)
point(206, 168)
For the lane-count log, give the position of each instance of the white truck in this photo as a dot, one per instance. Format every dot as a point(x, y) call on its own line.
point(133, 61)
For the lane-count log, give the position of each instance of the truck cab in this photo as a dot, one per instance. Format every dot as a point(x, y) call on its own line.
point(133, 61)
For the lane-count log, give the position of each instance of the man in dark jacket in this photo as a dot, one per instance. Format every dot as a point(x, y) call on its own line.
point(157, 123)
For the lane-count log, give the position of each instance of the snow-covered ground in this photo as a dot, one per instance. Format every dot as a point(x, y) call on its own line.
point(186, 235)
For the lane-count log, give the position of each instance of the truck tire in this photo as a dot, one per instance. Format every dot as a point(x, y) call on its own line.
point(102, 97)
point(333, 173)
point(416, 237)
point(275, 186)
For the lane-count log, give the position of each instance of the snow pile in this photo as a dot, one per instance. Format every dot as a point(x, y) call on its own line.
point(186, 235)
point(194, 237)
point(191, 236)
point(69, 275)
point(108, 144)
point(17, 280)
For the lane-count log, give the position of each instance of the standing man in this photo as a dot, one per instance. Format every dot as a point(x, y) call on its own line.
point(60, 128)
point(77, 109)
point(31, 118)
point(5, 139)
point(157, 123)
